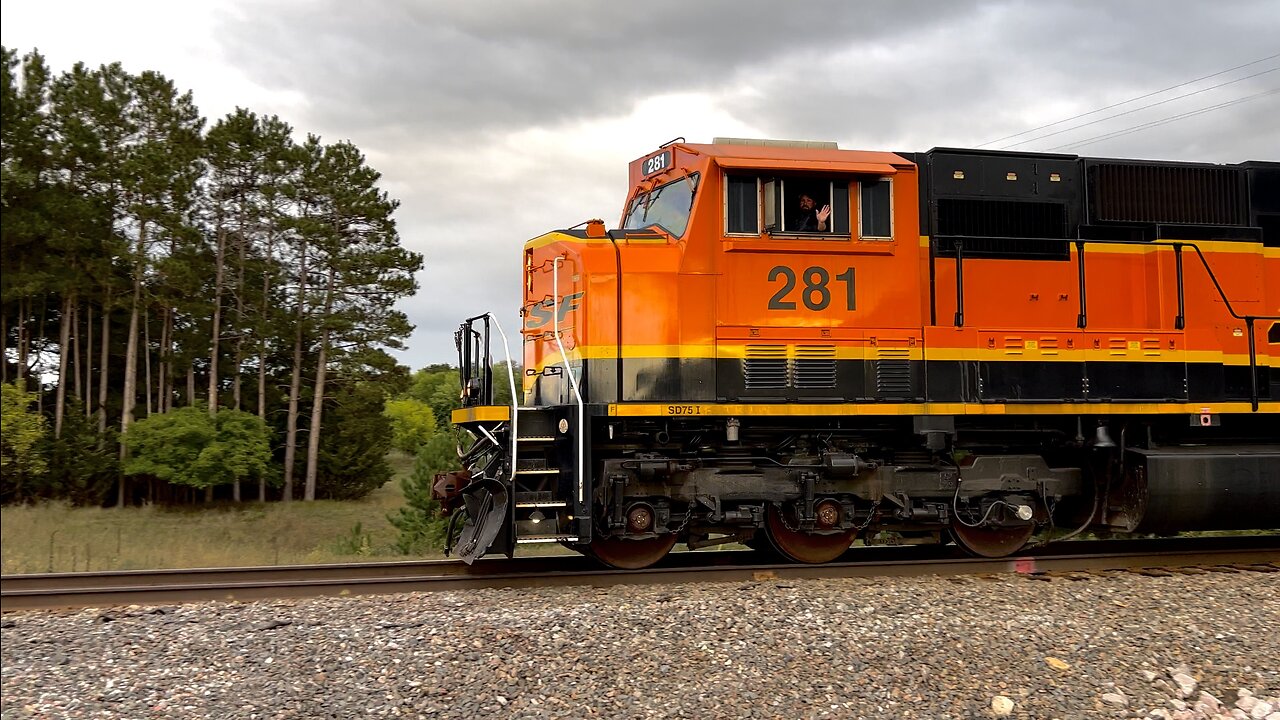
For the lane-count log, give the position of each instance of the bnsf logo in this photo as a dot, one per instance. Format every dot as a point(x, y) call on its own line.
point(540, 314)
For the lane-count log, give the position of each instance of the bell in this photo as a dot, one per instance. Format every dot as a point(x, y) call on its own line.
point(1104, 438)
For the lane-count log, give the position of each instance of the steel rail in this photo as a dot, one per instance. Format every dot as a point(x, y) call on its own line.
point(74, 590)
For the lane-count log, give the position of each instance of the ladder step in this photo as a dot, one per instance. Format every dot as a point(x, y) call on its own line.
point(538, 471)
point(538, 438)
point(546, 538)
point(541, 504)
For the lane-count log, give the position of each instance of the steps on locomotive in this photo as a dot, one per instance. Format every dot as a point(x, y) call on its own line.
point(540, 514)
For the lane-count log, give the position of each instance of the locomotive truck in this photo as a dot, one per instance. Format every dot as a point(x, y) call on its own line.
point(972, 347)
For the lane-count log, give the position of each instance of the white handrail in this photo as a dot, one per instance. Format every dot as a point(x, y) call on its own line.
point(564, 361)
point(511, 380)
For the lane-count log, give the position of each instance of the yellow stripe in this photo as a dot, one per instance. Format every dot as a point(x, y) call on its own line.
point(853, 409)
point(1206, 246)
point(558, 237)
point(865, 352)
point(481, 413)
point(1216, 246)
point(502, 413)
point(1092, 355)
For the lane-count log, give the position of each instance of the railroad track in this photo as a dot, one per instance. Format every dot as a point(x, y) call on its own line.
point(68, 590)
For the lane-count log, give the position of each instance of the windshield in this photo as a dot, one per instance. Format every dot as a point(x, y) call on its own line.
point(666, 206)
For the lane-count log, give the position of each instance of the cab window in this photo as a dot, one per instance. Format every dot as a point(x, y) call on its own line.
point(666, 206)
point(875, 209)
point(756, 204)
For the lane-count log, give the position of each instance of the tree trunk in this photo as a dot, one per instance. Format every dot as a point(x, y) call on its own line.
point(146, 355)
point(191, 385)
point(317, 403)
point(88, 361)
point(162, 355)
point(262, 402)
point(130, 394)
point(240, 330)
point(64, 358)
point(76, 388)
point(262, 348)
point(4, 345)
point(103, 361)
point(170, 368)
point(295, 383)
point(291, 432)
point(218, 261)
point(20, 372)
point(41, 329)
point(129, 397)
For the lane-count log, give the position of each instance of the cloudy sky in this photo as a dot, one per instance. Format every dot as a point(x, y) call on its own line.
point(494, 122)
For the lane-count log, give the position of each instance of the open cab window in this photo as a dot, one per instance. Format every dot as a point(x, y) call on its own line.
point(667, 206)
point(756, 205)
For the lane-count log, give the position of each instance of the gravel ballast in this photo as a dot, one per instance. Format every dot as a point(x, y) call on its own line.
point(1101, 645)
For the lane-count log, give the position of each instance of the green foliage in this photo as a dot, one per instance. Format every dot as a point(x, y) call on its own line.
point(188, 447)
point(421, 527)
point(128, 226)
point(357, 438)
point(439, 387)
point(21, 431)
point(502, 382)
point(412, 423)
point(355, 542)
point(81, 469)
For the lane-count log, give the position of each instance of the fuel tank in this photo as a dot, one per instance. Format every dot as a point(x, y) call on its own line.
point(1207, 487)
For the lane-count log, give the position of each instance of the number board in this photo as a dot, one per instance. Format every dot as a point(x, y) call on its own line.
point(656, 164)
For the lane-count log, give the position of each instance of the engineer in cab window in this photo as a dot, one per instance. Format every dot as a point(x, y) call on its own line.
point(809, 217)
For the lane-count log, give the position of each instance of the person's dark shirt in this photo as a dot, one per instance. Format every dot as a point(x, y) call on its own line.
point(804, 221)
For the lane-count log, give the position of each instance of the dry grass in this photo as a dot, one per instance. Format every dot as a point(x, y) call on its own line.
point(58, 538)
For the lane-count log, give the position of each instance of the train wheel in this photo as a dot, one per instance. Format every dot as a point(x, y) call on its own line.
point(627, 554)
point(991, 542)
point(808, 547)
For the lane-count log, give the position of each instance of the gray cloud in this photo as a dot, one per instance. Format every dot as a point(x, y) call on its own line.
point(475, 111)
point(455, 68)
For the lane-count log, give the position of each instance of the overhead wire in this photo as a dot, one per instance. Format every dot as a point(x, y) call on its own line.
point(1126, 102)
point(1138, 109)
point(1163, 121)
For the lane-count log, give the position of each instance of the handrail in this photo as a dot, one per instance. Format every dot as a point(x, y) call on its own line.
point(564, 361)
point(515, 399)
point(1179, 320)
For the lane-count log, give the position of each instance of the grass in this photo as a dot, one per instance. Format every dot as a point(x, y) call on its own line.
point(55, 537)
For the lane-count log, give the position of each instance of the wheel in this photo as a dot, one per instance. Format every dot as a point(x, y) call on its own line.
point(809, 547)
point(993, 541)
point(628, 554)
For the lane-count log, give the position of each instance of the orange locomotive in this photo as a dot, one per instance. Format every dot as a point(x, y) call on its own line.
point(792, 345)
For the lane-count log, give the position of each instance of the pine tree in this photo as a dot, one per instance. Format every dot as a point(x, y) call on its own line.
point(419, 522)
point(160, 170)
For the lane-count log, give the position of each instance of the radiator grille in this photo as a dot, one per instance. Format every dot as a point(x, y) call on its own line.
point(765, 367)
point(815, 366)
point(893, 372)
point(1166, 194)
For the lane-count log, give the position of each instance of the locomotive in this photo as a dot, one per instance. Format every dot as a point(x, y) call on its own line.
point(968, 346)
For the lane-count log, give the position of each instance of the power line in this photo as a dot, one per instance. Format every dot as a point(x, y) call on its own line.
point(1138, 109)
point(1163, 121)
point(1125, 102)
